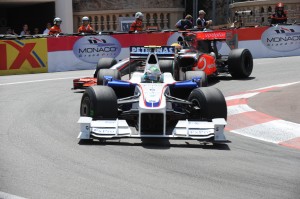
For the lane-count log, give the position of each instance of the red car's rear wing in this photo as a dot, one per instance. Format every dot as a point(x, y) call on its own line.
point(215, 35)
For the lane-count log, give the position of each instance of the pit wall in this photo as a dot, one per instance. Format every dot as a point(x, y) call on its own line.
point(66, 53)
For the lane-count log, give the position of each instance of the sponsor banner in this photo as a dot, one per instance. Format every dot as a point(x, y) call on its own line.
point(211, 35)
point(63, 43)
point(282, 38)
point(159, 50)
point(143, 39)
point(23, 56)
point(66, 61)
point(174, 38)
point(246, 34)
point(125, 40)
point(84, 52)
point(92, 48)
point(259, 50)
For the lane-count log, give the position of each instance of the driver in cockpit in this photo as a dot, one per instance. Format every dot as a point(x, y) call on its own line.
point(152, 75)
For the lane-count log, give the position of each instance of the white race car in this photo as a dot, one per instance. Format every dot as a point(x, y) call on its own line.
point(152, 104)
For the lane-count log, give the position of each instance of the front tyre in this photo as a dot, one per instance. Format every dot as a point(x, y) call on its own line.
point(166, 66)
point(99, 102)
point(211, 102)
point(240, 63)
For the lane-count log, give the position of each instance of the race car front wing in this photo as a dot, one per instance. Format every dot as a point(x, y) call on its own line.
point(108, 129)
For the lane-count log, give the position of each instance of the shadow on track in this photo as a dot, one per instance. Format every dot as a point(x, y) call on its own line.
point(157, 144)
point(215, 80)
point(78, 91)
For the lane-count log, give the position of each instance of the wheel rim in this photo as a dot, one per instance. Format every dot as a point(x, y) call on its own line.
point(86, 107)
point(247, 64)
point(196, 102)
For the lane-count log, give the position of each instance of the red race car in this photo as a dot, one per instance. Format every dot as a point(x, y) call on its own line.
point(200, 53)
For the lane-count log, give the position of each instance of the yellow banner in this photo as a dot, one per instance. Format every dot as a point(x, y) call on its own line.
point(23, 56)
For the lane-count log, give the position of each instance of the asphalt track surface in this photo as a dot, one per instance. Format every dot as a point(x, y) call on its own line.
point(40, 156)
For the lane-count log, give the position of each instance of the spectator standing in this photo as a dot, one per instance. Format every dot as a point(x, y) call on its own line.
point(85, 27)
point(201, 22)
point(137, 25)
point(25, 30)
point(55, 29)
point(186, 23)
point(46, 31)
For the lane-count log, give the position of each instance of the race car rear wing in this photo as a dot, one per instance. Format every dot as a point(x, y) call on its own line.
point(142, 52)
point(215, 35)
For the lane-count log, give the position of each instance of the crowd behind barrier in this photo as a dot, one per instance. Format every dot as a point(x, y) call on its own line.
point(64, 52)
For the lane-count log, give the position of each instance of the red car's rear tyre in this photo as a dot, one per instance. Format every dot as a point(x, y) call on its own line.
point(240, 63)
point(105, 62)
point(166, 66)
point(114, 73)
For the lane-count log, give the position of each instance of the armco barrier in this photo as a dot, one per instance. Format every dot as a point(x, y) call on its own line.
point(65, 53)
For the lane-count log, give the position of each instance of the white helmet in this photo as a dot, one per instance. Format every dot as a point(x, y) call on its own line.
point(153, 73)
point(139, 15)
point(57, 19)
point(85, 18)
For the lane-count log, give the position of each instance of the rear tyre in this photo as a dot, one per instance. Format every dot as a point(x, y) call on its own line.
point(192, 74)
point(166, 66)
point(105, 63)
point(211, 102)
point(99, 102)
point(114, 73)
point(240, 63)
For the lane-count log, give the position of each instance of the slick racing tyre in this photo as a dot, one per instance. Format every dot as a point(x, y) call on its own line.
point(211, 102)
point(166, 66)
point(240, 63)
point(114, 73)
point(105, 63)
point(192, 74)
point(99, 102)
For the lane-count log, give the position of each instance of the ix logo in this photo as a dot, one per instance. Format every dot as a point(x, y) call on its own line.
point(25, 52)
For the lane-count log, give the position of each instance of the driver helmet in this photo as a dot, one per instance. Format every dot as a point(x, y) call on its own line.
point(57, 21)
point(139, 15)
point(177, 46)
point(153, 73)
point(85, 18)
